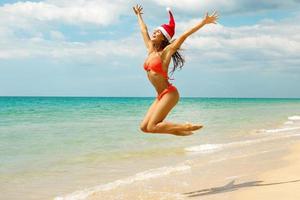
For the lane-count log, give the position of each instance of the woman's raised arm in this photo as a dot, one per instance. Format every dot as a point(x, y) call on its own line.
point(144, 30)
point(174, 46)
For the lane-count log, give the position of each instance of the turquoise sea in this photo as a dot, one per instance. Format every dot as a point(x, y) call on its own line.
point(70, 147)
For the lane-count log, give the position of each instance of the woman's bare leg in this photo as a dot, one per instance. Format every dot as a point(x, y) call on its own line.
point(180, 130)
point(163, 107)
point(144, 123)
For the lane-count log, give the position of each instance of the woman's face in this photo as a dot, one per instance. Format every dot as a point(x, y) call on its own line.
point(157, 36)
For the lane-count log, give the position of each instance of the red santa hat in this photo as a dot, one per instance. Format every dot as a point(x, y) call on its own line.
point(168, 29)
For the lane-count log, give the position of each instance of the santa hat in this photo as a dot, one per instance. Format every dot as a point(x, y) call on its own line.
point(168, 29)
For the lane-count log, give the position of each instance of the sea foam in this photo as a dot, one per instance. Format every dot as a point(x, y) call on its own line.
point(281, 129)
point(148, 174)
point(211, 148)
point(294, 118)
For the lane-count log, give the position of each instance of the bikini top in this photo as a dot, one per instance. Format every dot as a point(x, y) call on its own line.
point(156, 66)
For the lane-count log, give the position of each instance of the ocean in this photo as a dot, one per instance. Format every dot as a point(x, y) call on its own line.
point(73, 147)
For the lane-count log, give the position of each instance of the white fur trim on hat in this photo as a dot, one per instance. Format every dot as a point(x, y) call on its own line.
point(166, 34)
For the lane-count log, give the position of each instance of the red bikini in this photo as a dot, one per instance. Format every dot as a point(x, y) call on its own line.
point(156, 66)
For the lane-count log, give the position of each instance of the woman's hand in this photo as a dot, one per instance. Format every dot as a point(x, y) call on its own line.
point(138, 9)
point(208, 19)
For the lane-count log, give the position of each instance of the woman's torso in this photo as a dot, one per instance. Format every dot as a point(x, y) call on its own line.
point(157, 71)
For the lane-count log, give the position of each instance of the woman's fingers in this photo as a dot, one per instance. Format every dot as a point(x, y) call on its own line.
point(138, 9)
point(214, 17)
point(134, 10)
point(215, 14)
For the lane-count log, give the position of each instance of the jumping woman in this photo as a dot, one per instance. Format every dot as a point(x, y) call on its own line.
point(160, 51)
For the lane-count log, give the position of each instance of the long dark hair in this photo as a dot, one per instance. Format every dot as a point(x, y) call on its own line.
point(177, 58)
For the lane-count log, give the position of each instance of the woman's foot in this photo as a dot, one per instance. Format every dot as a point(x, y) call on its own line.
point(183, 133)
point(192, 127)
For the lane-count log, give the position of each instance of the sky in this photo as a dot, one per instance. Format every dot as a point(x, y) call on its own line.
point(95, 48)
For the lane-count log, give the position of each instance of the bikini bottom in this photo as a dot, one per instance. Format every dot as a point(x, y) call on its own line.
point(170, 88)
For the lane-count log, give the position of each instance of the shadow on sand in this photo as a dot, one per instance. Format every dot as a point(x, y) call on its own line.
point(231, 187)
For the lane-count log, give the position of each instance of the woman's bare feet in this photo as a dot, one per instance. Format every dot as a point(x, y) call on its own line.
point(183, 133)
point(189, 128)
point(192, 127)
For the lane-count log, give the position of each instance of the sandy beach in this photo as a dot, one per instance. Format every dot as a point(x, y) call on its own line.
point(261, 182)
point(277, 184)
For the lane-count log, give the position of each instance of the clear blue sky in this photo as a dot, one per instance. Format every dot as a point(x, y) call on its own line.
point(94, 48)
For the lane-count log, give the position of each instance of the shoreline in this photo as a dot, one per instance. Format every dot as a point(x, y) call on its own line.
point(252, 168)
point(273, 175)
point(249, 169)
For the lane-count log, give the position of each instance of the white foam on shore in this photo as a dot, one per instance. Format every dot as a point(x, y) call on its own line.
point(294, 118)
point(211, 148)
point(152, 173)
point(281, 129)
point(205, 148)
point(291, 121)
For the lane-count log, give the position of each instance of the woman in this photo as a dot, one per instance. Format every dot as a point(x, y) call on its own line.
point(160, 51)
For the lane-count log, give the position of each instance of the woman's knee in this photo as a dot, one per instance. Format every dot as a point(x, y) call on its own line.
point(143, 127)
point(151, 128)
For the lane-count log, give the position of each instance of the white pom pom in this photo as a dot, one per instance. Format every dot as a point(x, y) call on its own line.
point(168, 9)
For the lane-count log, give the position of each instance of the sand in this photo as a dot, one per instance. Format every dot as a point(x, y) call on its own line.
point(265, 176)
point(277, 184)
